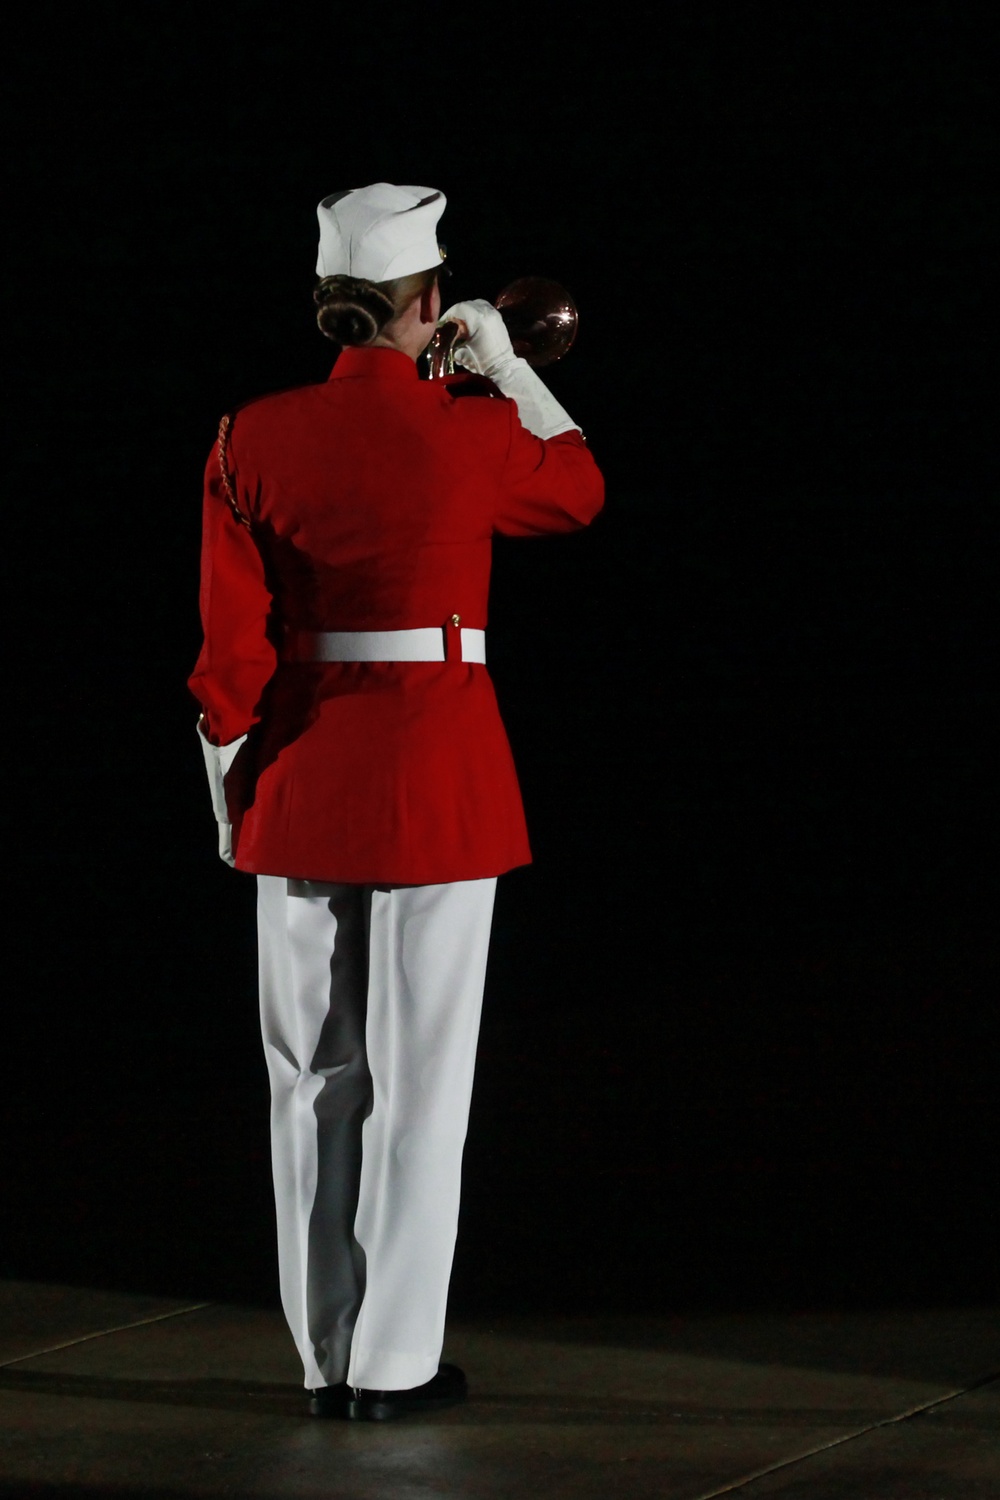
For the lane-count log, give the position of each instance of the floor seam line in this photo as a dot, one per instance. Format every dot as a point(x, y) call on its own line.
point(849, 1437)
point(103, 1333)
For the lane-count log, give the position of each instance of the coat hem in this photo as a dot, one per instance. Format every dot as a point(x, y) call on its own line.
point(339, 875)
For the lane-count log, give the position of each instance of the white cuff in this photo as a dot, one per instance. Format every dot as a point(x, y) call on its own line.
point(218, 759)
point(538, 409)
point(226, 844)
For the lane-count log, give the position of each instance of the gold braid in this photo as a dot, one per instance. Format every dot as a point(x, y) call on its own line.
point(227, 478)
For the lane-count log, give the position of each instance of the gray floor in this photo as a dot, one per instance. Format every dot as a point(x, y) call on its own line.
point(113, 1395)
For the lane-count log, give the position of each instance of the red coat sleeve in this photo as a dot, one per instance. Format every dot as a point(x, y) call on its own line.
point(237, 658)
point(549, 484)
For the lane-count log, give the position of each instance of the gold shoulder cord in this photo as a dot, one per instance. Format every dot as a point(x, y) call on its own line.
point(227, 478)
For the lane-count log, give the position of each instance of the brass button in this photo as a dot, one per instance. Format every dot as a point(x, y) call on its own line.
point(456, 619)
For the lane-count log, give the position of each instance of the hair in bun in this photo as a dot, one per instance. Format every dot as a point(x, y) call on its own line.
point(351, 310)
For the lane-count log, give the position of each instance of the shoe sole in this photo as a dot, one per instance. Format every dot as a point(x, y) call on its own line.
point(390, 1411)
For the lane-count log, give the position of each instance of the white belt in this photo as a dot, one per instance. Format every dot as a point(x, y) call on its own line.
point(427, 643)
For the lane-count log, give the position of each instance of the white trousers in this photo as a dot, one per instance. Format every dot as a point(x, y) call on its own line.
point(370, 1007)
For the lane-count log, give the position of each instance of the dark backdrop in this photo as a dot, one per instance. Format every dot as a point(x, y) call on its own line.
point(740, 1034)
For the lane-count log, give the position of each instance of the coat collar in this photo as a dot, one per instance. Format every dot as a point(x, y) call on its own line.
point(374, 364)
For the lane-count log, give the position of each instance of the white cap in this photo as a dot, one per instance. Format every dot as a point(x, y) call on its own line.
point(379, 232)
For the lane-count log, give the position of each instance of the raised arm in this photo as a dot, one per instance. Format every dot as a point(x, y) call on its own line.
point(551, 482)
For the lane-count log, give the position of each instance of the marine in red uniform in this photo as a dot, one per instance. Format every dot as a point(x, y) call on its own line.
point(360, 769)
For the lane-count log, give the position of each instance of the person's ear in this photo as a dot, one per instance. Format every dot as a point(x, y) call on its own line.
point(427, 310)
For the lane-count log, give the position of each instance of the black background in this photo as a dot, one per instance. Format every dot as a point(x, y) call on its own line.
point(739, 1045)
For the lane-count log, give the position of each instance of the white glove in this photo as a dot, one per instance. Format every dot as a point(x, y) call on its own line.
point(488, 351)
point(218, 759)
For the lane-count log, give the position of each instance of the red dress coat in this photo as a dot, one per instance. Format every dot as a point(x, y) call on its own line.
point(372, 499)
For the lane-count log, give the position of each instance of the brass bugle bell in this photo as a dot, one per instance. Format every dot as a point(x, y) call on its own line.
point(541, 318)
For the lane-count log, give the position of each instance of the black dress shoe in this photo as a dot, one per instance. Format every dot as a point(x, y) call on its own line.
point(447, 1388)
point(330, 1400)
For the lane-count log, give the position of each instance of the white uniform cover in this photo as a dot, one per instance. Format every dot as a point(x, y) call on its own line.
point(370, 1006)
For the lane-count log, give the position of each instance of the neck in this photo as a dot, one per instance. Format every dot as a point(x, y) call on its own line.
point(411, 330)
point(411, 341)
